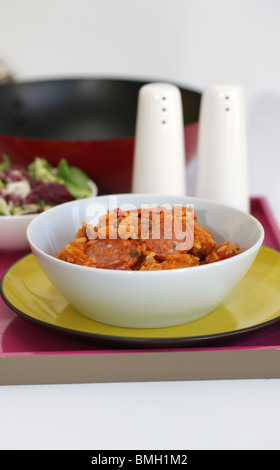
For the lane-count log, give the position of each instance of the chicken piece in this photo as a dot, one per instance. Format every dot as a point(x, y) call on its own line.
point(174, 261)
point(203, 242)
point(72, 254)
point(222, 251)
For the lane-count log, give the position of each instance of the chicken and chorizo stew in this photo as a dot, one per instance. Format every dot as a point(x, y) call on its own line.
point(145, 240)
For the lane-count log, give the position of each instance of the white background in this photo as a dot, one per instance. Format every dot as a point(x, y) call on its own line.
point(192, 42)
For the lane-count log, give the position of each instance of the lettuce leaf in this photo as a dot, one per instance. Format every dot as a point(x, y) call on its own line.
point(5, 163)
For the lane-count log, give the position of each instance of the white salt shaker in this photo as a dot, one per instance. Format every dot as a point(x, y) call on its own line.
point(222, 153)
point(159, 164)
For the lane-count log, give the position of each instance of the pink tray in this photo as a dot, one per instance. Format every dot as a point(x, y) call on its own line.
point(32, 354)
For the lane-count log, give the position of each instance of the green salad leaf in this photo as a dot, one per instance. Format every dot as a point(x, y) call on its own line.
point(72, 174)
point(5, 163)
point(75, 180)
point(4, 208)
point(77, 191)
point(41, 170)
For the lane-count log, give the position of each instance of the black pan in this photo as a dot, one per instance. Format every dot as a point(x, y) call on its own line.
point(91, 122)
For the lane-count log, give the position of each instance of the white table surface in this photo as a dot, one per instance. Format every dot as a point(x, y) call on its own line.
point(230, 414)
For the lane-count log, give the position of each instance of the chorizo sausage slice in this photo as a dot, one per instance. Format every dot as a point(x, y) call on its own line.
point(113, 253)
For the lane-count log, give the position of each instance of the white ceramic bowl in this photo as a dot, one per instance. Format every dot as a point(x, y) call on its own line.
point(13, 229)
point(144, 299)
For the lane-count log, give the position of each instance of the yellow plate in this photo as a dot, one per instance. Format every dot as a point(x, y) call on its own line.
point(253, 304)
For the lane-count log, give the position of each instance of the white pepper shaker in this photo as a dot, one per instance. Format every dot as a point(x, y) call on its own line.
point(222, 153)
point(159, 165)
